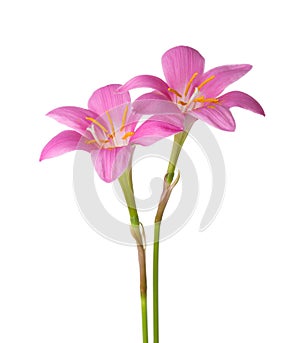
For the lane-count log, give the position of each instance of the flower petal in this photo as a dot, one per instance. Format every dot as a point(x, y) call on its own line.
point(155, 106)
point(219, 117)
point(156, 128)
point(146, 81)
point(153, 96)
point(111, 163)
point(180, 64)
point(221, 78)
point(106, 98)
point(242, 100)
point(64, 142)
point(74, 117)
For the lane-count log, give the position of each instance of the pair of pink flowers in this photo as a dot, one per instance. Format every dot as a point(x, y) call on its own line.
point(111, 126)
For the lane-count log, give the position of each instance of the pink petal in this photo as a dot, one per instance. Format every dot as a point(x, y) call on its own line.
point(146, 81)
point(180, 64)
point(241, 99)
point(155, 106)
point(156, 128)
point(223, 77)
point(74, 117)
point(111, 163)
point(153, 96)
point(219, 117)
point(107, 98)
point(64, 142)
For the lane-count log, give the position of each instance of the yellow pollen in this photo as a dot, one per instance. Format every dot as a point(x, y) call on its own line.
point(111, 123)
point(189, 83)
point(213, 100)
point(91, 141)
point(205, 82)
point(97, 123)
point(212, 107)
point(182, 103)
point(124, 118)
point(175, 92)
point(128, 134)
point(202, 99)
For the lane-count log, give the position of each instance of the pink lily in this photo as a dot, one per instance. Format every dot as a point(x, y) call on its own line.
point(107, 130)
point(195, 93)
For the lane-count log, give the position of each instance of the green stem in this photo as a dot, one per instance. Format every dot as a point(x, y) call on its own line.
point(126, 184)
point(144, 318)
point(179, 140)
point(155, 283)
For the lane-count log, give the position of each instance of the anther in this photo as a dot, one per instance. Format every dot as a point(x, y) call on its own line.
point(124, 118)
point(128, 134)
point(175, 92)
point(187, 88)
point(205, 82)
point(97, 123)
point(111, 123)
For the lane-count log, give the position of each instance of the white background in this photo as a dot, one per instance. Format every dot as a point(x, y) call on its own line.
point(61, 282)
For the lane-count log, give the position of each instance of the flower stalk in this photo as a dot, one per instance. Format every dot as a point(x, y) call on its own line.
point(126, 184)
point(169, 185)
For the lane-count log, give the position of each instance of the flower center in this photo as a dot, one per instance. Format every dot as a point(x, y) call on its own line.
point(188, 103)
point(112, 138)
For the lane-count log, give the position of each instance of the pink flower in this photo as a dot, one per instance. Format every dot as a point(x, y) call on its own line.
point(108, 131)
point(194, 92)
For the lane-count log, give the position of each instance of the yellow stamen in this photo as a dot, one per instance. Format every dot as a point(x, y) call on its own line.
point(187, 88)
point(213, 100)
point(124, 118)
point(212, 107)
point(128, 134)
point(182, 103)
point(205, 82)
point(94, 141)
point(175, 92)
point(97, 123)
point(111, 123)
point(91, 141)
point(202, 99)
